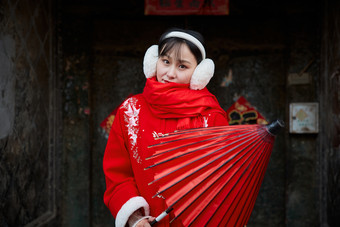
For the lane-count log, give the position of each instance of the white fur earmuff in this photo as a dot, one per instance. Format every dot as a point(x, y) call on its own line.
point(200, 78)
point(150, 61)
point(202, 74)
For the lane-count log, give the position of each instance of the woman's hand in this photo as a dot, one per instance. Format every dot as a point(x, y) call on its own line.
point(137, 219)
point(145, 222)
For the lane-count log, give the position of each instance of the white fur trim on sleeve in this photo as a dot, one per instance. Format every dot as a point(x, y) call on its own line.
point(129, 207)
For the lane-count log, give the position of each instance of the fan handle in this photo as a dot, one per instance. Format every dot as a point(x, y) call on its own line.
point(274, 127)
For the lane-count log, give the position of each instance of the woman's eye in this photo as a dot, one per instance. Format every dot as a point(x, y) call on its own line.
point(182, 67)
point(165, 61)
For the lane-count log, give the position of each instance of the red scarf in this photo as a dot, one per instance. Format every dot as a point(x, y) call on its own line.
point(173, 100)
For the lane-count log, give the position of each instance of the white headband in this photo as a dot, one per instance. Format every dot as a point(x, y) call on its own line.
point(188, 37)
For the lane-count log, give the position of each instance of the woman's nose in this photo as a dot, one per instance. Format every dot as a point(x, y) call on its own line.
point(171, 72)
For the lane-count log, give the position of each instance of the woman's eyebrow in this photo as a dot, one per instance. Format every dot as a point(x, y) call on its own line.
point(167, 55)
point(184, 61)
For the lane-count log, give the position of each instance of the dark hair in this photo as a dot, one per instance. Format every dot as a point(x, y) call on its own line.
point(173, 43)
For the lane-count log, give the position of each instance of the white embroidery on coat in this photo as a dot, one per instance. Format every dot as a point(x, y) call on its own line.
point(205, 122)
point(131, 119)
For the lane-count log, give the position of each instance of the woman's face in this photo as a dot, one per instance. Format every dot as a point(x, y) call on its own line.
point(171, 68)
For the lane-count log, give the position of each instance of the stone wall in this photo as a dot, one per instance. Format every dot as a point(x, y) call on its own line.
point(27, 113)
point(76, 159)
point(329, 142)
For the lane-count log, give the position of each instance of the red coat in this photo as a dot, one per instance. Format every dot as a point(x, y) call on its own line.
point(133, 130)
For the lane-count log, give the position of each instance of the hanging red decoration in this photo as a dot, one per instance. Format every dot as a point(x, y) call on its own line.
point(186, 7)
point(242, 112)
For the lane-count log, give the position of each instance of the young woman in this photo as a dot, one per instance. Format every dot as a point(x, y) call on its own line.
point(174, 97)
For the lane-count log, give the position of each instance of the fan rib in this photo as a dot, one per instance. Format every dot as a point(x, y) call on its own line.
point(213, 173)
point(211, 153)
point(240, 159)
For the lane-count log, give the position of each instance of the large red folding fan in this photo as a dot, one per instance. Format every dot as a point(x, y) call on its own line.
point(212, 176)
